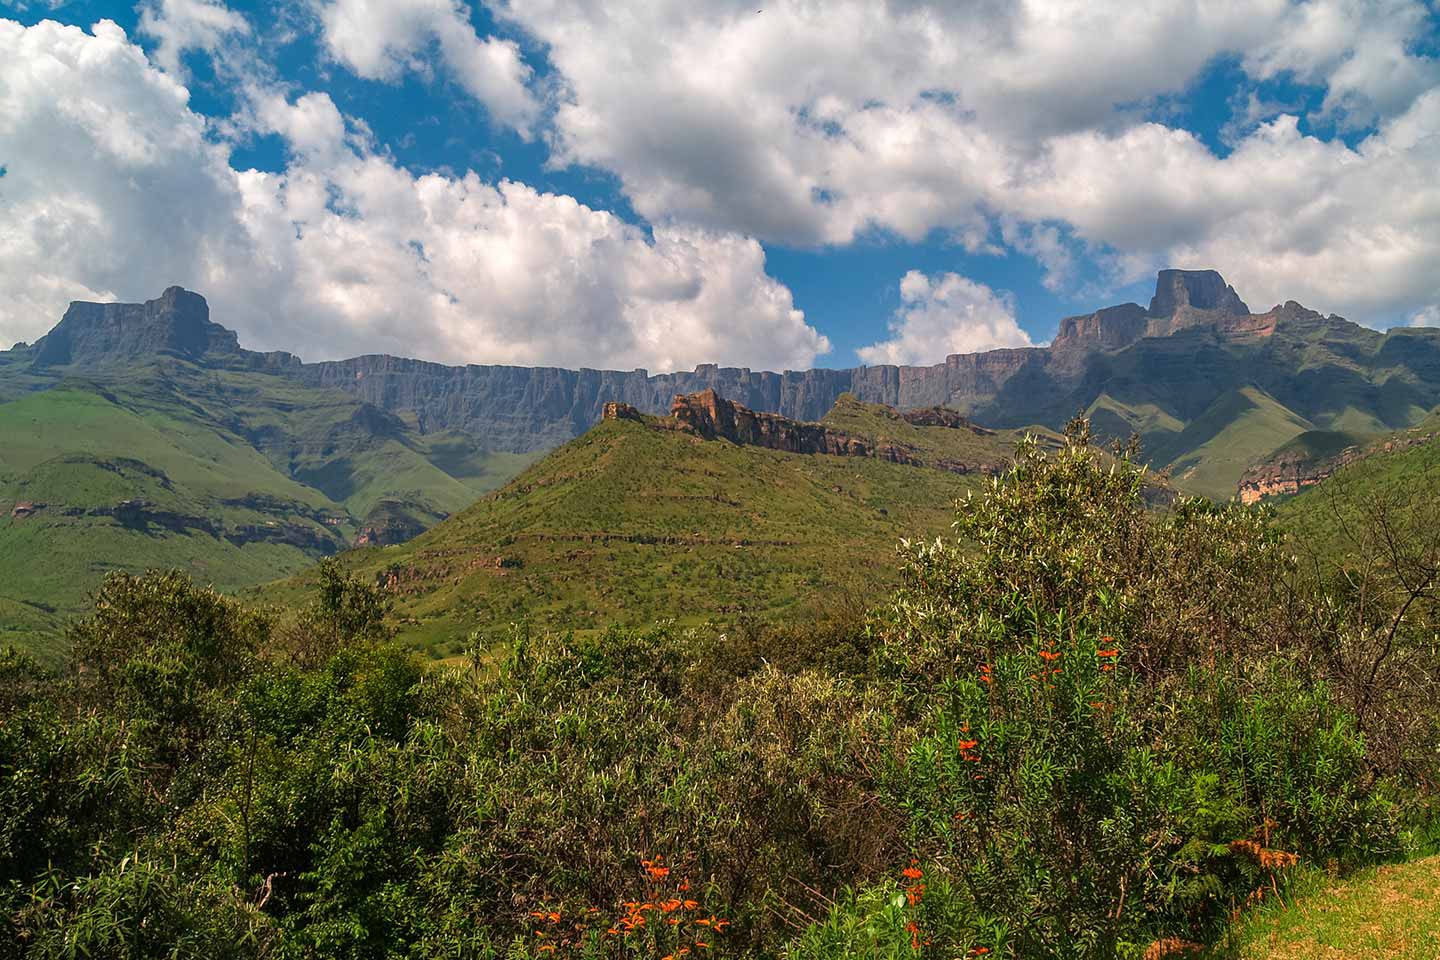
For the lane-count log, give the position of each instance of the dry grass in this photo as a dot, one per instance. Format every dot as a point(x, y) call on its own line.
point(1388, 912)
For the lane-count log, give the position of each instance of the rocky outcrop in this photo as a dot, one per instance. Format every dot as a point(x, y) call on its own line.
point(709, 416)
point(390, 522)
point(1109, 329)
point(1281, 477)
point(1185, 298)
point(1290, 472)
point(943, 417)
point(177, 323)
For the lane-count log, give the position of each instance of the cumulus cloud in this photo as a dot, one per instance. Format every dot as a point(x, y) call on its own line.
point(181, 25)
point(944, 314)
point(1285, 216)
point(1361, 51)
point(113, 190)
point(1030, 117)
point(383, 39)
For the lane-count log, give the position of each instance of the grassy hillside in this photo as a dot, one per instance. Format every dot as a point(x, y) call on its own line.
point(630, 524)
point(1213, 450)
point(233, 476)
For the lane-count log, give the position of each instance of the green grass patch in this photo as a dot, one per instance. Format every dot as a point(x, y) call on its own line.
point(1390, 912)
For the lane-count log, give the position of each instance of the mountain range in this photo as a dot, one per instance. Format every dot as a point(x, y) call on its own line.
point(144, 434)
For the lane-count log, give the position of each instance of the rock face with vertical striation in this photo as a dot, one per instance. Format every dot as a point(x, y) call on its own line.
point(1185, 298)
point(1150, 370)
point(177, 324)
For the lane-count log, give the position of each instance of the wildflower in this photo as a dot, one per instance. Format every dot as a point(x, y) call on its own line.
point(1049, 655)
point(1107, 653)
point(912, 872)
point(967, 745)
point(690, 904)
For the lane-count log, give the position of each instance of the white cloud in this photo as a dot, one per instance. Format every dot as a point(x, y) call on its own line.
point(1285, 216)
point(181, 25)
point(1427, 317)
point(114, 191)
point(814, 123)
point(945, 314)
point(383, 39)
point(1360, 50)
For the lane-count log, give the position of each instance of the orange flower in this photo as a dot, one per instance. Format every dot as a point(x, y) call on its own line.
point(1107, 667)
point(1049, 655)
point(702, 945)
point(1107, 653)
point(913, 871)
point(967, 745)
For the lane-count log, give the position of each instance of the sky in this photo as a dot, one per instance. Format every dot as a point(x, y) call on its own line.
point(658, 184)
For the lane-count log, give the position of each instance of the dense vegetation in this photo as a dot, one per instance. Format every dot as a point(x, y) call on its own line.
point(1079, 729)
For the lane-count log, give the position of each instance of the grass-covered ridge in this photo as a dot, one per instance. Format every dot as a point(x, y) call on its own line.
point(630, 525)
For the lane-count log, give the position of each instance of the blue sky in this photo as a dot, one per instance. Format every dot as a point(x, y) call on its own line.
point(811, 185)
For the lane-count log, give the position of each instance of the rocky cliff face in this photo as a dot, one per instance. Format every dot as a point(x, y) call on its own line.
point(1289, 473)
point(709, 416)
point(1200, 291)
point(177, 323)
point(522, 409)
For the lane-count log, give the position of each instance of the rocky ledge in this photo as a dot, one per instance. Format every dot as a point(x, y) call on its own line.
point(1289, 473)
point(709, 416)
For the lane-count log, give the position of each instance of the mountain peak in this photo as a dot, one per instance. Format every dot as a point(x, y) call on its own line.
point(1178, 292)
point(177, 323)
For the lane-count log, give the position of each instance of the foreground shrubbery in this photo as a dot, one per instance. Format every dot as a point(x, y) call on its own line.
point(1079, 730)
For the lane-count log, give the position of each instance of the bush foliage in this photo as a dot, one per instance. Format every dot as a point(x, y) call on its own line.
point(1083, 728)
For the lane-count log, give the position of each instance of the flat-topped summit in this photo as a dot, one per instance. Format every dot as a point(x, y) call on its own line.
point(1183, 298)
point(176, 323)
point(1195, 290)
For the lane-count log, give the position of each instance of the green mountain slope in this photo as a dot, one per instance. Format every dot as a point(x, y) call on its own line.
point(136, 460)
point(632, 523)
point(1212, 452)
